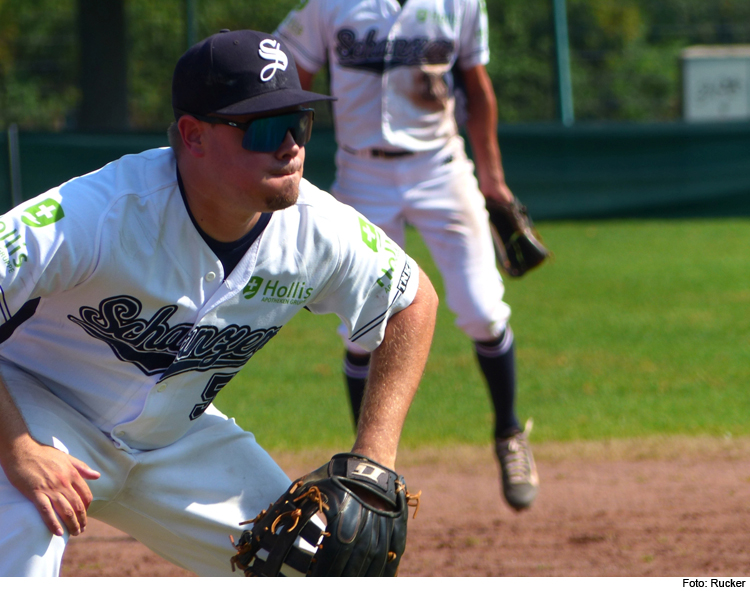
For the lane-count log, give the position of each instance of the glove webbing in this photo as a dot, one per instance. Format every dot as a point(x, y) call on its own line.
point(274, 554)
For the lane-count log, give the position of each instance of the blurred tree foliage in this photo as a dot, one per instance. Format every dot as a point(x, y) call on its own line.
point(38, 63)
point(158, 37)
point(625, 54)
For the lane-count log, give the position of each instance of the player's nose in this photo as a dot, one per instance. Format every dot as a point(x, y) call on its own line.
point(289, 147)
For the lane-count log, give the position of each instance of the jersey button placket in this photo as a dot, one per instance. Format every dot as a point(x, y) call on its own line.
point(385, 118)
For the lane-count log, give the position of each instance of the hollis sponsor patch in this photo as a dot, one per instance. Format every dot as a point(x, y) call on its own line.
point(274, 291)
point(12, 250)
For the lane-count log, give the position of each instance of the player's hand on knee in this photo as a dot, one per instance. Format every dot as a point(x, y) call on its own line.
point(55, 483)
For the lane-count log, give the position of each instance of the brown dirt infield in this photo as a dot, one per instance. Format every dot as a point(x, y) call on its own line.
point(662, 507)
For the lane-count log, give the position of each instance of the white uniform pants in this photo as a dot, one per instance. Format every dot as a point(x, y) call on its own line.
point(182, 501)
point(437, 193)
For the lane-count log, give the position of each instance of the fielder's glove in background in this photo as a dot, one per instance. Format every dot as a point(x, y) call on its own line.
point(517, 243)
point(324, 525)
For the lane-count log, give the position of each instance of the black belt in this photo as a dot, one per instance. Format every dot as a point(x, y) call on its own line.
point(379, 153)
point(384, 153)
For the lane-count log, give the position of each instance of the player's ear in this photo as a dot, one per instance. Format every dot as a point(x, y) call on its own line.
point(191, 133)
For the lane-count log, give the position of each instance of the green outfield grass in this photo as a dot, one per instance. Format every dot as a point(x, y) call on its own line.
point(636, 328)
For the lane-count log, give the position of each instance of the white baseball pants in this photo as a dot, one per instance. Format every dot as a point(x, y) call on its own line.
point(437, 193)
point(182, 501)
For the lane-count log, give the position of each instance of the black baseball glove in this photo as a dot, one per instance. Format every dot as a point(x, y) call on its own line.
point(347, 518)
point(517, 243)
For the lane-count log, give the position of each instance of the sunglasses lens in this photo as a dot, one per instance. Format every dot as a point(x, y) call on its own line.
point(267, 134)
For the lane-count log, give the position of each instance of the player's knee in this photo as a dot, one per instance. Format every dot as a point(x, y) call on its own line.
point(481, 330)
point(481, 320)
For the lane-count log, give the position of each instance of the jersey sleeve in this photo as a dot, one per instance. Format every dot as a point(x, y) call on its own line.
point(474, 36)
point(374, 279)
point(304, 31)
point(38, 251)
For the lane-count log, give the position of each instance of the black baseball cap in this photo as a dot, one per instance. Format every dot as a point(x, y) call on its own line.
point(238, 72)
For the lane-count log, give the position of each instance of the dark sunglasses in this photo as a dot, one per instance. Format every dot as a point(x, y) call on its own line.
point(265, 135)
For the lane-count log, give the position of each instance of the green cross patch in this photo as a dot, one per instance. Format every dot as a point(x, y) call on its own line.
point(42, 214)
point(252, 287)
point(369, 234)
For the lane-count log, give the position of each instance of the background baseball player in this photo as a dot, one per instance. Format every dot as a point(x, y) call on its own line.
point(401, 160)
point(132, 295)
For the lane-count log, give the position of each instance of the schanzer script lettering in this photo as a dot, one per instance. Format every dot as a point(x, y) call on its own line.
point(154, 347)
point(376, 55)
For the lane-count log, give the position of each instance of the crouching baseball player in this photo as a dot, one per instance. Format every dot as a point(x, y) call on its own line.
point(132, 295)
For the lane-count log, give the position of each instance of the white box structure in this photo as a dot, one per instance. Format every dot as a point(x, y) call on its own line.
point(716, 83)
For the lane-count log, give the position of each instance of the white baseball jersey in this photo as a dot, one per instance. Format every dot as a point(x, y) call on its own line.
point(113, 300)
point(405, 101)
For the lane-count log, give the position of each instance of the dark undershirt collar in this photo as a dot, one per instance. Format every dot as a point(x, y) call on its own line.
point(229, 253)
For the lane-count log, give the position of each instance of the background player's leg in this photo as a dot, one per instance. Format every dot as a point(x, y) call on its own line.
point(517, 467)
point(449, 212)
point(356, 369)
point(497, 362)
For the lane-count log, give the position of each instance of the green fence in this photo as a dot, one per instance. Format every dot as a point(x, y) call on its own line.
point(655, 170)
point(585, 171)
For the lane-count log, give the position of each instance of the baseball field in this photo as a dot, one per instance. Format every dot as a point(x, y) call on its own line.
point(633, 349)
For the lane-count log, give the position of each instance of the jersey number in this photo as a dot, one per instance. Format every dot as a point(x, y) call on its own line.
point(217, 382)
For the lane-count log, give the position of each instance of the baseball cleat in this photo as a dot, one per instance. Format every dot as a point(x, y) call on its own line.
point(518, 469)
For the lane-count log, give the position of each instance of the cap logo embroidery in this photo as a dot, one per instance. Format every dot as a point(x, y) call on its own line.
point(270, 51)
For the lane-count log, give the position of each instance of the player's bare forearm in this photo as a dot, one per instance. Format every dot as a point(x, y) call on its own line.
point(52, 480)
point(481, 127)
point(396, 368)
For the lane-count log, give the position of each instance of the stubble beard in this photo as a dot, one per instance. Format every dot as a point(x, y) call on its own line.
point(284, 199)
